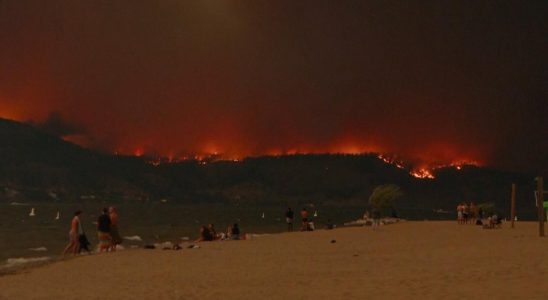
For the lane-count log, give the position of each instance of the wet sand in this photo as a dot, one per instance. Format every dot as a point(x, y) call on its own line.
point(409, 260)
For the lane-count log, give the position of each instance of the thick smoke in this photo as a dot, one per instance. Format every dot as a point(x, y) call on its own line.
point(431, 82)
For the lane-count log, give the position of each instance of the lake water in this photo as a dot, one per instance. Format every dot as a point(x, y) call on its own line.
point(23, 236)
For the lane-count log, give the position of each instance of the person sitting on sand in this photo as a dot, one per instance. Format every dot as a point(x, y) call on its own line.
point(304, 219)
point(205, 235)
point(114, 233)
point(212, 232)
point(103, 231)
point(235, 232)
point(74, 234)
point(329, 225)
point(228, 234)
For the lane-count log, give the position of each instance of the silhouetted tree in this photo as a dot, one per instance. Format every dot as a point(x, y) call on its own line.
point(383, 197)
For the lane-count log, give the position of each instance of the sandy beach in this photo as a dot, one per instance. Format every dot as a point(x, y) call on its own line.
point(409, 260)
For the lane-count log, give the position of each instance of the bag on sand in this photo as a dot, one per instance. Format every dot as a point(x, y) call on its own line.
point(84, 242)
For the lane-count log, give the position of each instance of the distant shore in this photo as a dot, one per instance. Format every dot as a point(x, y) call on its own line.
point(409, 260)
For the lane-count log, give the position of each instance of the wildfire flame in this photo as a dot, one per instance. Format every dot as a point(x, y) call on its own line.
point(392, 161)
point(425, 172)
point(422, 174)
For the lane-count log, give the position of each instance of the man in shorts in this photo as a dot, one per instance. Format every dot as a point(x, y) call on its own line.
point(103, 231)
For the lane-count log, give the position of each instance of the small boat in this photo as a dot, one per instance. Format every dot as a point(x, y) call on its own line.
point(58, 216)
point(32, 212)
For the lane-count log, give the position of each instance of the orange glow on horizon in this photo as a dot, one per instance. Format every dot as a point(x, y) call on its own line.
point(8, 113)
point(138, 152)
point(423, 171)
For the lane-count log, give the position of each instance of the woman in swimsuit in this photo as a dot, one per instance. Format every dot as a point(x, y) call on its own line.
point(74, 235)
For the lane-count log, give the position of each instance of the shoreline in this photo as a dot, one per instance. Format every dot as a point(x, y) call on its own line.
point(6, 270)
point(413, 260)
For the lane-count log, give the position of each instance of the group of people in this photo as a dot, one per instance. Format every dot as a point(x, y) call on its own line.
point(109, 237)
point(107, 233)
point(472, 214)
point(467, 213)
point(210, 234)
point(306, 224)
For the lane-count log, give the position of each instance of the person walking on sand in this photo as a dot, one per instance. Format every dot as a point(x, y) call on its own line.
point(103, 231)
point(304, 219)
point(114, 233)
point(289, 219)
point(74, 234)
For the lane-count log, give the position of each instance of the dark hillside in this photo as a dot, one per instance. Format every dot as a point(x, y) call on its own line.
point(36, 166)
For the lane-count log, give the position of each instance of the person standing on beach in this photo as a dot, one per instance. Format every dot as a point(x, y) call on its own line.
point(74, 234)
point(304, 219)
point(473, 212)
point(289, 219)
point(465, 212)
point(376, 218)
point(114, 233)
point(460, 213)
point(103, 231)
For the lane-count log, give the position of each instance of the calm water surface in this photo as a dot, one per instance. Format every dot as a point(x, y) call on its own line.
point(153, 222)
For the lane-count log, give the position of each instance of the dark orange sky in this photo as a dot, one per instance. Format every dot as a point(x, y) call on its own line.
point(438, 82)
